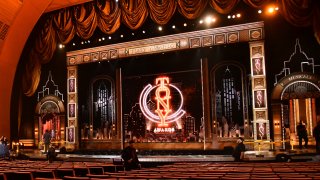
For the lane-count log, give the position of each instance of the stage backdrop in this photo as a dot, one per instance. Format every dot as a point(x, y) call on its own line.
point(163, 107)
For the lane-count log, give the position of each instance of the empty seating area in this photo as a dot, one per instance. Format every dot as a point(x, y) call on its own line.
point(41, 170)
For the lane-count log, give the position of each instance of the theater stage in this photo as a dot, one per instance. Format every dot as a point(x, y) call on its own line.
point(254, 156)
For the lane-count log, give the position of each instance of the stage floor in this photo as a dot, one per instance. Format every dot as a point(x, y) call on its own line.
point(299, 155)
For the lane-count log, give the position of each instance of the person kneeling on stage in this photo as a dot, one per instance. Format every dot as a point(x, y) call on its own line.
point(130, 157)
point(238, 153)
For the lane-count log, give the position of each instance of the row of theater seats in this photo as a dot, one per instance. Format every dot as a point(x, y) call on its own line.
point(40, 170)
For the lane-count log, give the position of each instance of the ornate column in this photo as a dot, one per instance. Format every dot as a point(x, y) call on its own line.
point(72, 139)
point(261, 125)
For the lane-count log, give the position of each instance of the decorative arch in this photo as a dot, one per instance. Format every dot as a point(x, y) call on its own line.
point(50, 115)
point(308, 80)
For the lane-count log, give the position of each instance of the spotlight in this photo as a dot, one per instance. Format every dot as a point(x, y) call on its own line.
point(238, 15)
point(99, 40)
point(143, 31)
point(185, 24)
point(173, 26)
point(81, 42)
point(233, 16)
point(103, 39)
point(259, 11)
point(109, 37)
point(121, 35)
point(132, 34)
point(201, 21)
point(229, 17)
point(208, 19)
point(88, 41)
point(73, 44)
point(271, 10)
point(60, 46)
point(276, 8)
point(160, 28)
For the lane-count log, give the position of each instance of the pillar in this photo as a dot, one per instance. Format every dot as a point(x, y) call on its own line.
point(72, 139)
point(261, 125)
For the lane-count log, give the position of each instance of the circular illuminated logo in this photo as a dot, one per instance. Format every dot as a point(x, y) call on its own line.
point(163, 113)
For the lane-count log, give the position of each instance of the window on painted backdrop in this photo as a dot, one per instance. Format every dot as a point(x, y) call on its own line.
point(229, 96)
point(103, 107)
point(98, 120)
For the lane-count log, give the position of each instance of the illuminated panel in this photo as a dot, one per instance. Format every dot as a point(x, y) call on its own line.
point(163, 99)
point(163, 112)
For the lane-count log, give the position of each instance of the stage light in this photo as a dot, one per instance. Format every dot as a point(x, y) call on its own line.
point(238, 15)
point(103, 39)
point(160, 28)
point(143, 31)
point(99, 39)
point(201, 21)
point(259, 11)
point(185, 24)
point(173, 26)
point(60, 46)
point(276, 8)
point(109, 37)
point(229, 17)
point(233, 16)
point(208, 20)
point(121, 35)
point(73, 44)
point(81, 42)
point(270, 10)
point(132, 34)
point(88, 41)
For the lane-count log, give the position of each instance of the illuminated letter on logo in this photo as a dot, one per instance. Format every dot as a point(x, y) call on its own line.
point(163, 112)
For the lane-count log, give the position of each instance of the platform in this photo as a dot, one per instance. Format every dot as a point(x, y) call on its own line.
point(250, 156)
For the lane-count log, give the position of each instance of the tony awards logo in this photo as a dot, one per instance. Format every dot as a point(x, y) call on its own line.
point(164, 114)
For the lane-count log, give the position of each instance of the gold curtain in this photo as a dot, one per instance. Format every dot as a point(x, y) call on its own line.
point(107, 16)
point(161, 11)
point(223, 6)
point(191, 9)
point(134, 13)
point(85, 20)
point(42, 53)
point(63, 25)
point(257, 3)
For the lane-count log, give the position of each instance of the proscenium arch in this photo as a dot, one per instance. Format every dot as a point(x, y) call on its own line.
point(243, 87)
point(294, 78)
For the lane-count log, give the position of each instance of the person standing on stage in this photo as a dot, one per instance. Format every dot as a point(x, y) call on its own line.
point(130, 157)
point(303, 134)
point(238, 152)
point(46, 140)
point(316, 135)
